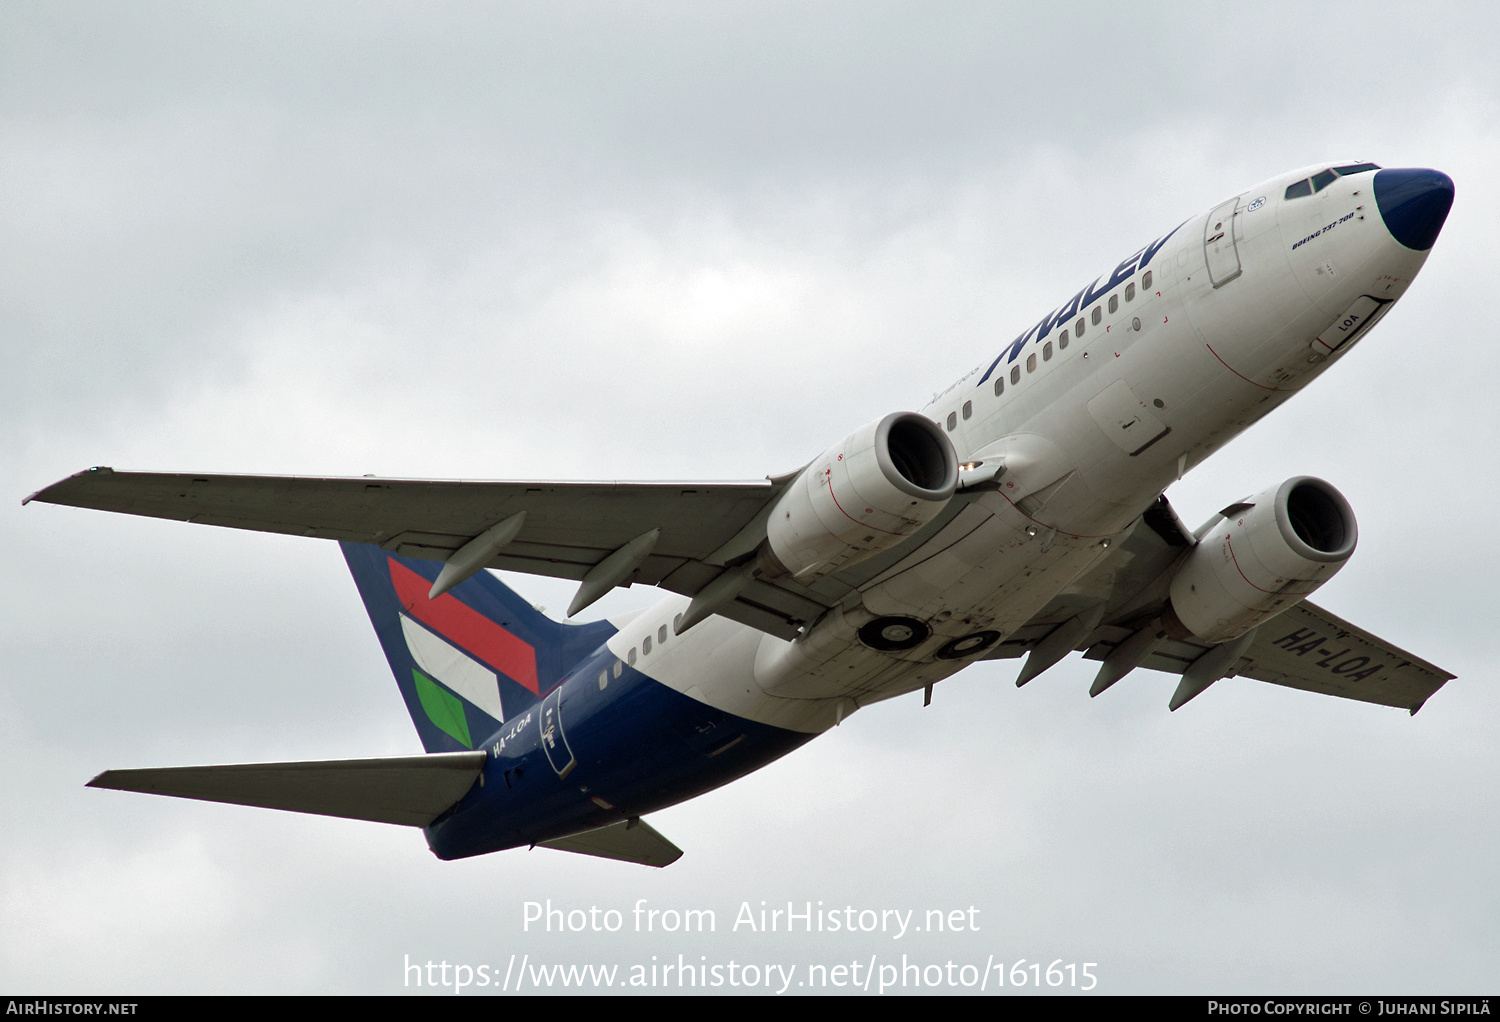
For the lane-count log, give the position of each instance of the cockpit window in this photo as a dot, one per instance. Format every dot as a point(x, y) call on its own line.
point(1323, 180)
point(1299, 189)
point(1355, 168)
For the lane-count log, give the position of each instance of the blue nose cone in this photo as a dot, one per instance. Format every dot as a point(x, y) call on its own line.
point(1414, 204)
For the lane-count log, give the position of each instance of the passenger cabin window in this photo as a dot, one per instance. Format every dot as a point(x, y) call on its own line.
point(603, 680)
point(1130, 292)
point(1298, 190)
point(646, 646)
point(952, 421)
point(619, 668)
point(1323, 180)
point(1000, 385)
point(1095, 316)
point(676, 624)
point(1047, 352)
point(968, 408)
point(1114, 303)
point(1031, 362)
point(1078, 327)
point(1015, 374)
point(1062, 341)
point(661, 634)
point(1146, 281)
point(630, 657)
point(1355, 168)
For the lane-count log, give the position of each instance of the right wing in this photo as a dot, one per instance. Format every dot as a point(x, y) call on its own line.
point(1304, 647)
point(1308, 648)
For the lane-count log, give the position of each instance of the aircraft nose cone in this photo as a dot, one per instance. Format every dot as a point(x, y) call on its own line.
point(1414, 203)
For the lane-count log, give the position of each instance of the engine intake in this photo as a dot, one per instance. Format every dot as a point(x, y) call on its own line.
point(861, 496)
point(1265, 554)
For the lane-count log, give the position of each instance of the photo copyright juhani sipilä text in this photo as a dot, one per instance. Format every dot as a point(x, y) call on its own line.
point(876, 972)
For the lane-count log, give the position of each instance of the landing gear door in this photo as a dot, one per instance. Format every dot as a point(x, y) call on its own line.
point(1219, 247)
point(554, 742)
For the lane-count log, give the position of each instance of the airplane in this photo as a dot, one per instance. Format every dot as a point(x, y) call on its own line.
point(1018, 514)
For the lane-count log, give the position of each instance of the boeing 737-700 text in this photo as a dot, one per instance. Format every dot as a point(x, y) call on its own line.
point(1020, 513)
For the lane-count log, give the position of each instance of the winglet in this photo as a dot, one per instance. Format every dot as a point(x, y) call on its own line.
point(61, 482)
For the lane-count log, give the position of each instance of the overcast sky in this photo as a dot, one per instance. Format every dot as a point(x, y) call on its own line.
point(648, 241)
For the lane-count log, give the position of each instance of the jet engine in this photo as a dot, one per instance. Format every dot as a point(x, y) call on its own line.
point(861, 496)
point(1265, 554)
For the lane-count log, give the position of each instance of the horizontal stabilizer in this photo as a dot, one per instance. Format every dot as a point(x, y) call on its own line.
point(408, 790)
point(632, 840)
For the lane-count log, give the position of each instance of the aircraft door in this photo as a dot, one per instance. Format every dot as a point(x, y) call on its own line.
point(554, 742)
point(1219, 247)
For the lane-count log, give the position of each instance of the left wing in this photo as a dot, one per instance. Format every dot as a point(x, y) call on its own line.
point(569, 530)
point(569, 527)
point(680, 536)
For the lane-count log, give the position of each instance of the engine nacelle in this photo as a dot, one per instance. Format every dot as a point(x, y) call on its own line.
point(861, 496)
point(1269, 553)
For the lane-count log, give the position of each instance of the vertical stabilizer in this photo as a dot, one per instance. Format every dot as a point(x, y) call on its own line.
point(469, 659)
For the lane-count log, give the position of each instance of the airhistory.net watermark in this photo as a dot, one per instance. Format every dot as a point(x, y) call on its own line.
point(874, 974)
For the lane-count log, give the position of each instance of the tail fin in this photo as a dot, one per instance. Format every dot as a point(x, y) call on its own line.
point(470, 659)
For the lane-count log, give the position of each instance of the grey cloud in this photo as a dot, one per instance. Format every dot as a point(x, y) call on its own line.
point(552, 240)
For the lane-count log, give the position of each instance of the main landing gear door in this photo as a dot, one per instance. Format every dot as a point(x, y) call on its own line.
point(554, 742)
point(1219, 247)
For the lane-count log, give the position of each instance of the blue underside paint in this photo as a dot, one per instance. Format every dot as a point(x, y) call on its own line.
point(1414, 204)
point(637, 745)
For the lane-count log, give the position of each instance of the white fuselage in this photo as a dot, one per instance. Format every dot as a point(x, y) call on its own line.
point(1228, 309)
